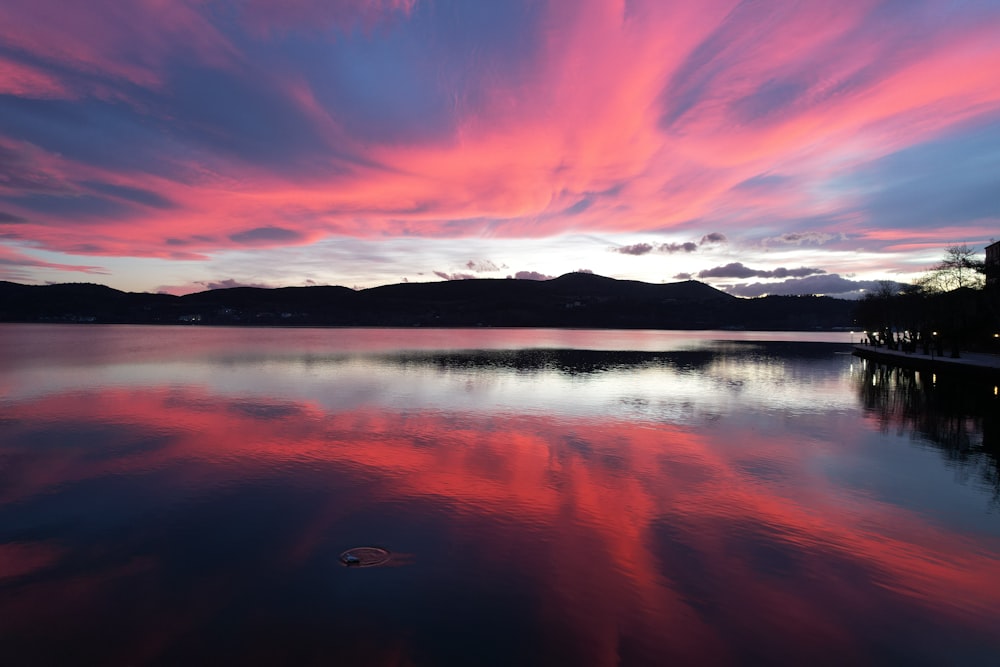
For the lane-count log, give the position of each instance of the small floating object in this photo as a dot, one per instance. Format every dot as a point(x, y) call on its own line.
point(365, 557)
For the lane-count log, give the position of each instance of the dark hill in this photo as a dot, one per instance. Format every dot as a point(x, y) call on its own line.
point(572, 300)
point(76, 302)
point(594, 285)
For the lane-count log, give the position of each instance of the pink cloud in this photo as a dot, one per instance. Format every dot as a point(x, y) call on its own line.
point(626, 121)
point(123, 40)
point(13, 263)
point(25, 81)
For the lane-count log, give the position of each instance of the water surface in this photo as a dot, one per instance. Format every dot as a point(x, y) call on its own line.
point(182, 496)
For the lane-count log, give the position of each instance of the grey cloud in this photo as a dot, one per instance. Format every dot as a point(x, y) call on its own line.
point(646, 248)
point(86, 249)
point(738, 270)
point(137, 195)
point(770, 98)
point(580, 206)
point(266, 235)
point(714, 237)
point(485, 266)
point(678, 247)
point(454, 276)
point(191, 240)
point(530, 275)
point(799, 238)
point(228, 283)
point(733, 270)
point(782, 272)
point(73, 206)
point(11, 219)
point(683, 276)
point(831, 285)
point(635, 249)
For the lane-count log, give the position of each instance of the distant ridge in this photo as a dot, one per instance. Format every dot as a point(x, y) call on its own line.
point(573, 300)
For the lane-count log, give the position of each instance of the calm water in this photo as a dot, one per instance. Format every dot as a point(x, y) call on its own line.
point(181, 496)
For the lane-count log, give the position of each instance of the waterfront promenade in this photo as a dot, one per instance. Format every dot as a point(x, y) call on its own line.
point(970, 363)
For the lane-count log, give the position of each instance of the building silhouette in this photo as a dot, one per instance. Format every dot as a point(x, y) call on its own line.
point(993, 265)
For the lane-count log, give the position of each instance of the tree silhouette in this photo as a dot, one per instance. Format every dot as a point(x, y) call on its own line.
point(959, 268)
point(944, 306)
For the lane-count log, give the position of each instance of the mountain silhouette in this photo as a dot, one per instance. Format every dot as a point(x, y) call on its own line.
point(573, 300)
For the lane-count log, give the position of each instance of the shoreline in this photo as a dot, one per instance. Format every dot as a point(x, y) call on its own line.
point(979, 364)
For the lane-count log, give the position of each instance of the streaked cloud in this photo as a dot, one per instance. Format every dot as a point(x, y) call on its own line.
point(198, 130)
point(16, 266)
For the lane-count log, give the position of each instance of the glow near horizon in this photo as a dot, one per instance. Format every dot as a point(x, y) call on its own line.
point(801, 147)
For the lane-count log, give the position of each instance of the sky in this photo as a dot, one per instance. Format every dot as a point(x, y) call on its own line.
point(762, 147)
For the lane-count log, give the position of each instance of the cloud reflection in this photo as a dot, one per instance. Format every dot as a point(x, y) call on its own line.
point(607, 530)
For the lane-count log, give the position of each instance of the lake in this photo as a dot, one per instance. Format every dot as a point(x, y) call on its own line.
point(184, 495)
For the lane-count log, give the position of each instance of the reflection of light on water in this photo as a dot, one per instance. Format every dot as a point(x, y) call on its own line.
point(665, 390)
point(599, 497)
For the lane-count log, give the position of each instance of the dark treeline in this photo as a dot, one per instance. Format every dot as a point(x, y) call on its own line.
point(948, 310)
point(573, 300)
point(944, 323)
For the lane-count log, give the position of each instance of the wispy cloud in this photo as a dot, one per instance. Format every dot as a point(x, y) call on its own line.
point(15, 265)
point(184, 130)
